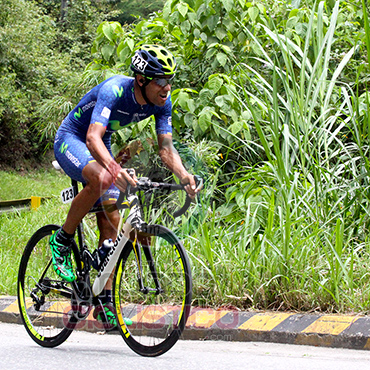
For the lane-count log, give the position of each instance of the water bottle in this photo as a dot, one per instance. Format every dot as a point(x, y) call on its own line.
point(100, 253)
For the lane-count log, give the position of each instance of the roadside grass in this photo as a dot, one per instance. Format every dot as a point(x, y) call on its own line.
point(17, 227)
point(234, 262)
point(290, 232)
point(42, 183)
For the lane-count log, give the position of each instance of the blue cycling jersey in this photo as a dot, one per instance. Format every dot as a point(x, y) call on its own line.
point(112, 104)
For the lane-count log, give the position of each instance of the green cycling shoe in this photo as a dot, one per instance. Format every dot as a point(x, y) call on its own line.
point(61, 258)
point(108, 317)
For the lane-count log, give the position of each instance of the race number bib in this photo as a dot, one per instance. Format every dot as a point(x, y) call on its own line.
point(67, 195)
point(139, 62)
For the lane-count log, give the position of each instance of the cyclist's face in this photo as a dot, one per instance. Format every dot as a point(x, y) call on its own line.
point(157, 93)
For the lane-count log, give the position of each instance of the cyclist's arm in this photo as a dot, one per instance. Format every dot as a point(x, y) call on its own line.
point(101, 154)
point(171, 159)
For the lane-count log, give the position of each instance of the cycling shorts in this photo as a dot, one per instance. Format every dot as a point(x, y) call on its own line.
point(72, 155)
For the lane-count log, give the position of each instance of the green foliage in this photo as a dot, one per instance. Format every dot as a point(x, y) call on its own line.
point(213, 41)
point(133, 9)
point(283, 97)
point(41, 59)
point(273, 97)
point(29, 72)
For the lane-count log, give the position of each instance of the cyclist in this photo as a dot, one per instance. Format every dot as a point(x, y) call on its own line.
point(82, 148)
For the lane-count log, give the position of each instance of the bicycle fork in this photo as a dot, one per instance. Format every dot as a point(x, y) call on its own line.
point(149, 257)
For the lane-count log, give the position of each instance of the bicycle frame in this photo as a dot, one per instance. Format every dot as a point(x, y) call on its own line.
point(132, 222)
point(152, 279)
point(107, 267)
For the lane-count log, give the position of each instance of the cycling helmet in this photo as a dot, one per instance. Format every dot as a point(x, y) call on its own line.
point(153, 60)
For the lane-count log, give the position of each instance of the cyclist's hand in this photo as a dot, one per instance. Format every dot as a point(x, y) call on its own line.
point(124, 178)
point(191, 187)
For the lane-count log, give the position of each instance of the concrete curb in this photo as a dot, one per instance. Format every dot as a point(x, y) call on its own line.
point(340, 331)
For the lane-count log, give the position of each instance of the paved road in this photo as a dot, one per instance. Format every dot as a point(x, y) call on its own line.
point(93, 351)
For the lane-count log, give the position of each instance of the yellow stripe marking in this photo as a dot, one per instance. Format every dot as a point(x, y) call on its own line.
point(98, 123)
point(60, 307)
point(205, 318)
point(367, 345)
point(13, 308)
point(330, 325)
point(264, 321)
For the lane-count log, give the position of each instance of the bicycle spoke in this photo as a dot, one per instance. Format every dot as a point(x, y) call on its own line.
point(44, 298)
point(159, 312)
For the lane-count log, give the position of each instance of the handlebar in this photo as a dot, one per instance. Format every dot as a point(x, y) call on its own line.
point(145, 184)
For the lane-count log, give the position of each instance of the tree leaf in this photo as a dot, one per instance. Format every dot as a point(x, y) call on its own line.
point(221, 33)
point(221, 58)
point(236, 127)
point(182, 8)
point(130, 44)
point(215, 83)
point(253, 13)
point(228, 4)
point(220, 101)
point(107, 51)
point(108, 30)
point(183, 99)
point(124, 54)
point(185, 27)
point(204, 120)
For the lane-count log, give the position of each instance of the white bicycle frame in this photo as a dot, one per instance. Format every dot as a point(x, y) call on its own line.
point(111, 259)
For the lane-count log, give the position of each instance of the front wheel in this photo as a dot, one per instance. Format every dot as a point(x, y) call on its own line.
point(152, 310)
point(44, 298)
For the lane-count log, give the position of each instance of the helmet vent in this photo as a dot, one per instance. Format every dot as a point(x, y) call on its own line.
point(153, 60)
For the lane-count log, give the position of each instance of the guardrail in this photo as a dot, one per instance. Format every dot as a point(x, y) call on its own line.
point(18, 204)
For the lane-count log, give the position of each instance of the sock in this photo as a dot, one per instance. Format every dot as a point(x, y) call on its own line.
point(106, 296)
point(63, 238)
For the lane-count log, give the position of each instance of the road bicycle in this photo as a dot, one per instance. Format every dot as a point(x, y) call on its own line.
point(152, 283)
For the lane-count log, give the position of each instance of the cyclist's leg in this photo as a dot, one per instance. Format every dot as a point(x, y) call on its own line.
point(108, 227)
point(75, 159)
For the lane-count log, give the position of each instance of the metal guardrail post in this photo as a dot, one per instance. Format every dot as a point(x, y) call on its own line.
point(32, 203)
point(35, 203)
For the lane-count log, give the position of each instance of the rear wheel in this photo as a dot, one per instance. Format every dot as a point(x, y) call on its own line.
point(152, 317)
point(44, 298)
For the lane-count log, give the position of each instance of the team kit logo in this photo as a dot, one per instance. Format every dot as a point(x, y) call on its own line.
point(64, 150)
point(83, 109)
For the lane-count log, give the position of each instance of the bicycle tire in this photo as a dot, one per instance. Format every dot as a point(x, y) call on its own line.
point(47, 316)
point(156, 320)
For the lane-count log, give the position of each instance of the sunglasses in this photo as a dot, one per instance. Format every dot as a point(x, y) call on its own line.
point(162, 81)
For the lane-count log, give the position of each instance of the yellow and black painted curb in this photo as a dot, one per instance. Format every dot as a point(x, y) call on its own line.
point(342, 331)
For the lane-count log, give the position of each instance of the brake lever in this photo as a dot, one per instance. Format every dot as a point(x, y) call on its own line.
point(130, 172)
point(198, 182)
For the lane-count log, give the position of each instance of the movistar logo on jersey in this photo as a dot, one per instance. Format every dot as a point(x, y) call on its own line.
point(118, 92)
point(78, 114)
point(115, 125)
point(63, 147)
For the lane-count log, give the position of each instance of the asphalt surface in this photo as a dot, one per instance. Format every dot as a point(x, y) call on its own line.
point(341, 331)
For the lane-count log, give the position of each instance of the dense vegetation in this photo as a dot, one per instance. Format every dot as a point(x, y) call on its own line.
point(272, 97)
point(44, 48)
